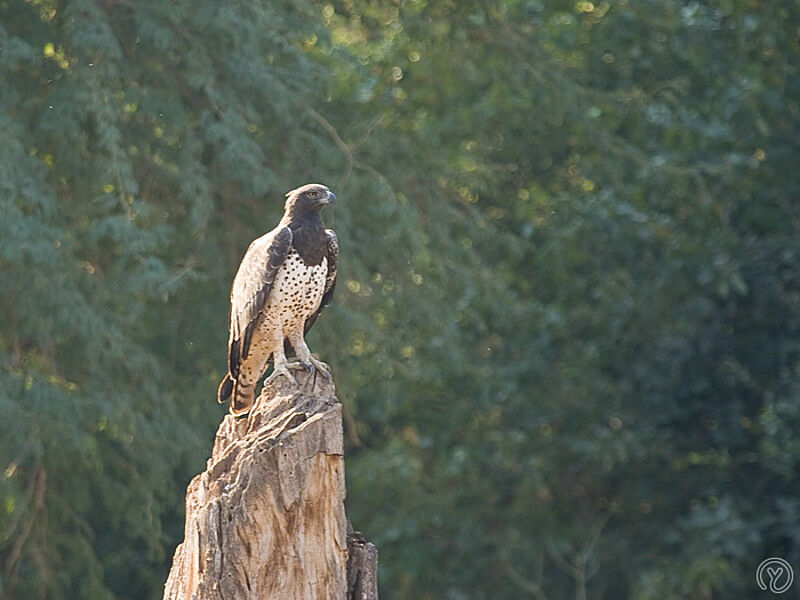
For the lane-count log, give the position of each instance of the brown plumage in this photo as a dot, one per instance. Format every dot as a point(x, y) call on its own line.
point(286, 278)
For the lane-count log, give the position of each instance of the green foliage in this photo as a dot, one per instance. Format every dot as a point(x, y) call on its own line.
point(567, 325)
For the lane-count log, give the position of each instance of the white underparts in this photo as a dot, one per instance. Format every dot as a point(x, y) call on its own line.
point(295, 295)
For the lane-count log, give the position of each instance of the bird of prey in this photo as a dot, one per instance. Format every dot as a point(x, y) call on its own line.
point(287, 276)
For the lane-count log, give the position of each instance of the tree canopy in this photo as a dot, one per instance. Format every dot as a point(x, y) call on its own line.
point(567, 327)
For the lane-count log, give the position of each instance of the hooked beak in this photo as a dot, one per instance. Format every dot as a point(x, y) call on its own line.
point(322, 201)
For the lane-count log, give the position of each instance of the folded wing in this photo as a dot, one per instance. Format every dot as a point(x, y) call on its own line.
point(251, 288)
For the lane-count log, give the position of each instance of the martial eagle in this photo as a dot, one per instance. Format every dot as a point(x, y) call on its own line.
point(287, 276)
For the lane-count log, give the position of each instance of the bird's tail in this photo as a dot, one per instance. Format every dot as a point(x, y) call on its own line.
point(242, 398)
point(225, 389)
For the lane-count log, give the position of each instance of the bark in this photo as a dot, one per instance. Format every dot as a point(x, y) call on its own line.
point(266, 519)
point(362, 567)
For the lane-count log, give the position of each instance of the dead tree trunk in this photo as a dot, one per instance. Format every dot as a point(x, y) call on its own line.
point(266, 520)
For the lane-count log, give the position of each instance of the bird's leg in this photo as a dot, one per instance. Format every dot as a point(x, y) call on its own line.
point(280, 367)
point(305, 357)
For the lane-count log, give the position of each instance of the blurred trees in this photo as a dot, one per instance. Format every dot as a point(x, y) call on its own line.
point(567, 324)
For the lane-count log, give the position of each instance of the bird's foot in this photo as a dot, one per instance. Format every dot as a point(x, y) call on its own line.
point(296, 364)
point(299, 364)
point(312, 366)
point(321, 367)
point(281, 369)
point(306, 366)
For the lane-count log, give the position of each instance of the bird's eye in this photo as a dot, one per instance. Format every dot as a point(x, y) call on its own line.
point(312, 194)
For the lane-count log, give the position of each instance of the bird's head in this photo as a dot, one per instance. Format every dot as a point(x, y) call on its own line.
point(308, 200)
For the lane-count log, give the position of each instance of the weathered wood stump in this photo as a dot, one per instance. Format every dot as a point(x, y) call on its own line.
point(266, 519)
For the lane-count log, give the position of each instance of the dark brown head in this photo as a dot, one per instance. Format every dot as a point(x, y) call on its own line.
point(308, 200)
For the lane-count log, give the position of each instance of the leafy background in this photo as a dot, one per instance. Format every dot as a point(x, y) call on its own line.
point(567, 329)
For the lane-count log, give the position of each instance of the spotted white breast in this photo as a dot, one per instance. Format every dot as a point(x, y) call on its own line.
point(297, 291)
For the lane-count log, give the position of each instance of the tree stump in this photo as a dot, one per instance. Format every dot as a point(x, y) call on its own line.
point(266, 519)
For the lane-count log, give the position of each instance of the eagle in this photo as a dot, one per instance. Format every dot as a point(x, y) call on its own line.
point(287, 276)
